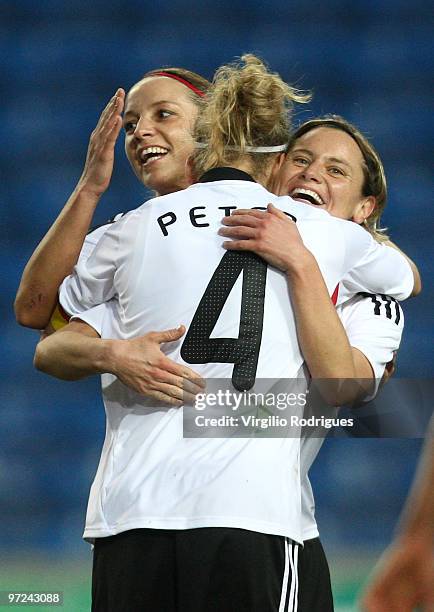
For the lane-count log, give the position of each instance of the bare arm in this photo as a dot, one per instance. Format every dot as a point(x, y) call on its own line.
point(57, 253)
point(322, 338)
point(77, 351)
point(404, 577)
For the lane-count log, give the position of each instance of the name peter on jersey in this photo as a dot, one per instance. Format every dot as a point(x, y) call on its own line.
point(169, 218)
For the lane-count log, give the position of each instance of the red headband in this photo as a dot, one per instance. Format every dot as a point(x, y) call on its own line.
point(181, 80)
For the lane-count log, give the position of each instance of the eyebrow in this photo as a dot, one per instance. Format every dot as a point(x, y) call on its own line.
point(336, 160)
point(300, 150)
point(157, 103)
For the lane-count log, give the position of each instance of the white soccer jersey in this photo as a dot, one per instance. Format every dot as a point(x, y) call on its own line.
point(374, 325)
point(164, 264)
point(93, 237)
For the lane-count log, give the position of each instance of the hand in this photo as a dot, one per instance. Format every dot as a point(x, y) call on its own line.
point(403, 580)
point(141, 365)
point(270, 234)
point(98, 168)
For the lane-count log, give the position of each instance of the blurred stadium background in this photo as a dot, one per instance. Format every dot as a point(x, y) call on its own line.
point(372, 62)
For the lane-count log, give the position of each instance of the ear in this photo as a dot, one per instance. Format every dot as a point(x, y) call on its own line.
point(279, 161)
point(190, 171)
point(275, 169)
point(364, 209)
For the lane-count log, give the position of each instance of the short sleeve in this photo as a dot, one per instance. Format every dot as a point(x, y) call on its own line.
point(94, 317)
point(93, 279)
point(374, 324)
point(383, 270)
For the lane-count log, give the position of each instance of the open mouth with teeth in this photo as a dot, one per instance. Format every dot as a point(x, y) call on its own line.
point(152, 154)
point(306, 195)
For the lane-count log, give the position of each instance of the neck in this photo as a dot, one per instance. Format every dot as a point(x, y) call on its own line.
point(263, 177)
point(245, 166)
point(265, 173)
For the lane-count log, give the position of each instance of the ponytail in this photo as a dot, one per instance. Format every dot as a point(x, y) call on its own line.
point(247, 107)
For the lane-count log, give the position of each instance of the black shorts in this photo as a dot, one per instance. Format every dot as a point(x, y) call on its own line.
point(315, 589)
point(211, 569)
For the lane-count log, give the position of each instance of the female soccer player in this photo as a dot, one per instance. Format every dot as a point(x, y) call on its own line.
point(330, 164)
point(188, 217)
point(160, 111)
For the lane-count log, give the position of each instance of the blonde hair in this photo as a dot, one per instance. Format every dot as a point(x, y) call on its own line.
point(374, 183)
point(246, 106)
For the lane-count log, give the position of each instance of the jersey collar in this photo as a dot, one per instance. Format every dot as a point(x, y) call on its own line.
point(225, 174)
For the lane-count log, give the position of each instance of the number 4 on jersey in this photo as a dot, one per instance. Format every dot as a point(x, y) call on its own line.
point(243, 351)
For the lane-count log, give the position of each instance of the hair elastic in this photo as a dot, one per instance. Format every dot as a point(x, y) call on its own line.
point(181, 80)
point(248, 149)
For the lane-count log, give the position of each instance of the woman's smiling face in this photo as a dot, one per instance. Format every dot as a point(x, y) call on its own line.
point(158, 122)
point(324, 168)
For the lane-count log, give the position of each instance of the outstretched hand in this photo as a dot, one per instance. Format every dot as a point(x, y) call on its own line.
point(141, 365)
point(98, 168)
point(271, 234)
